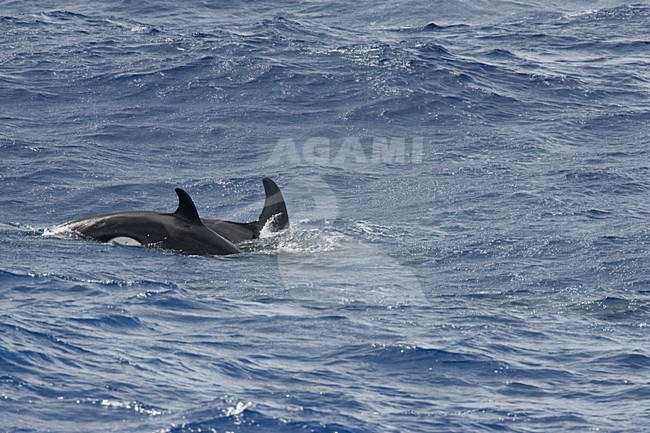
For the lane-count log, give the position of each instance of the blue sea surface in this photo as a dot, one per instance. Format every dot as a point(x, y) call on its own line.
point(468, 184)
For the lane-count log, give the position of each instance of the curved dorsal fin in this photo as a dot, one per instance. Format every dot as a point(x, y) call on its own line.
point(186, 208)
point(274, 206)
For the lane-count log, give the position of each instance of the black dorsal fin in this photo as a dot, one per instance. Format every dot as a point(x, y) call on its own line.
point(274, 207)
point(186, 208)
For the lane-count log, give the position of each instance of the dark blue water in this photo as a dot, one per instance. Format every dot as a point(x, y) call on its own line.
point(469, 191)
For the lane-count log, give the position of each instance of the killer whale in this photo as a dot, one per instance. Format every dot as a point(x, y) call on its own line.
point(180, 231)
point(183, 230)
point(274, 216)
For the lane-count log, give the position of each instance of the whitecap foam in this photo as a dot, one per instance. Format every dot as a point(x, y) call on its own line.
point(60, 231)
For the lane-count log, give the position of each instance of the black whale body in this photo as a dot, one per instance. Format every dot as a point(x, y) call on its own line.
point(183, 230)
point(274, 214)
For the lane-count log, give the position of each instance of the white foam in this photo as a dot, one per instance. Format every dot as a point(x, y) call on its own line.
point(58, 231)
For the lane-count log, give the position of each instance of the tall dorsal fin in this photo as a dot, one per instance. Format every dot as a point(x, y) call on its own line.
point(274, 207)
point(186, 208)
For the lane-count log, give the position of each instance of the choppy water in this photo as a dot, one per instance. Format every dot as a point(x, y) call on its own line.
point(468, 186)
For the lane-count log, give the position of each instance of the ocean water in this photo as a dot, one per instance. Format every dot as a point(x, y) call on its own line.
point(469, 193)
